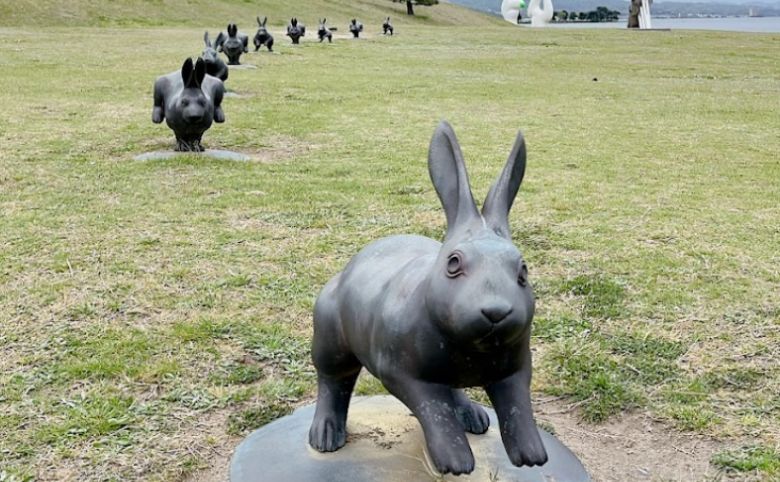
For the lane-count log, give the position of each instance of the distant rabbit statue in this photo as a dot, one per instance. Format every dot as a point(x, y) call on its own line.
point(188, 101)
point(323, 32)
point(295, 31)
point(428, 319)
point(387, 27)
point(355, 27)
point(233, 44)
point(263, 37)
point(215, 66)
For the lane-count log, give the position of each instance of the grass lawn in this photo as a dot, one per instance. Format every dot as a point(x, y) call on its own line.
point(150, 311)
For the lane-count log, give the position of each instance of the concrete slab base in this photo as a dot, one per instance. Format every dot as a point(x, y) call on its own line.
point(217, 154)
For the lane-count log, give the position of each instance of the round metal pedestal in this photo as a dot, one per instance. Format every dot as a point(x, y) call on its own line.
point(385, 443)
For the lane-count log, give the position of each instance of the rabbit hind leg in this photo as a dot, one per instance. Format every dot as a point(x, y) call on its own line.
point(337, 370)
point(472, 416)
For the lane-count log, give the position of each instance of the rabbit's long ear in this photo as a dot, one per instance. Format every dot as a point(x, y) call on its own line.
point(186, 72)
point(265, 21)
point(259, 23)
point(206, 39)
point(448, 174)
point(502, 194)
point(200, 73)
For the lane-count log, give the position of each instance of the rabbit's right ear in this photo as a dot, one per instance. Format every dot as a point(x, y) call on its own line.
point(186, 71)
point(206, 39)
point(259, 23)
point(265, 21)
point(448, 174)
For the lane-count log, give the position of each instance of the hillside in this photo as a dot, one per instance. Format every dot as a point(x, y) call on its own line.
point(186, 13)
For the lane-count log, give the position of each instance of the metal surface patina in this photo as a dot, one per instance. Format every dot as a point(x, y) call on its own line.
point(429, 319)
point(189, 101)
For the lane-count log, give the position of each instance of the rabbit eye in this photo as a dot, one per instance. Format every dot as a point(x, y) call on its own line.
point(185, 102)
point(522, 278)
point(454, 267)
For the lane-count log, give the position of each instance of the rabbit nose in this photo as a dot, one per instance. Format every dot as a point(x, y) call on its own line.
point(497, 312)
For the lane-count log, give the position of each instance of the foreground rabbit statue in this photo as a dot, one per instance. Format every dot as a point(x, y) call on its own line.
point(355, 27)
point(214, 65)
point(233, 44)
point(263, 37)
point(428, 319)
point(295, 31)
point(189, 102)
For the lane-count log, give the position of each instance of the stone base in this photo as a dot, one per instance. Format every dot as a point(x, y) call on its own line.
point(385, 443)
point(210, 153)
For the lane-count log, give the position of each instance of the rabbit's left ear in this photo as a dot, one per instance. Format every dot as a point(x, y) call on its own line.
point(502, 194)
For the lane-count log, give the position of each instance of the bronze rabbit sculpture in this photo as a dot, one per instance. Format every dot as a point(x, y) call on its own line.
point(429, 319)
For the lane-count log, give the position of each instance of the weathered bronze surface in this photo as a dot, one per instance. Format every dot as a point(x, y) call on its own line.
point(263, 37)
point(189, 101)
point(214, 65)
point(429, 318)
point(323, 32)
point(355, 27)
point(295, 30)
point(233, 44)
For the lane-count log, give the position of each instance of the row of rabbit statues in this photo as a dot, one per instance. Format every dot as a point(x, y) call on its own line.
point(426, 318)
point(190, 100)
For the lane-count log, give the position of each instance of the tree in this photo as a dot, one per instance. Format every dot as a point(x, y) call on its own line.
point(583, 16)
point(564, 15)
point(411, 3)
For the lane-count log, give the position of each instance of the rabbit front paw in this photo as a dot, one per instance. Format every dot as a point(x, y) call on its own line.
point(451, 455)
point(528, 451)
point(327, 434)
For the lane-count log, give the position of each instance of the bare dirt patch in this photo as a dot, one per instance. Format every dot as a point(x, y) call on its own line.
point(630, 447)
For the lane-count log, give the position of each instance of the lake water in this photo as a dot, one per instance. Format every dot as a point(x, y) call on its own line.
point(734, 24)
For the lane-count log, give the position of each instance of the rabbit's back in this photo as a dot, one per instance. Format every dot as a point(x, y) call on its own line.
point(380, 264)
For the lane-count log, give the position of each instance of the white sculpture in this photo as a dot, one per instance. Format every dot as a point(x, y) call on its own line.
point(510, 10)
point(645, 20)
point(540, 17)
point(639, 14)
